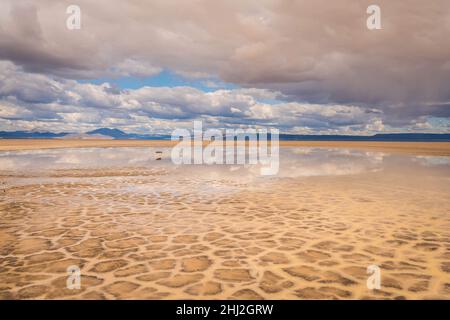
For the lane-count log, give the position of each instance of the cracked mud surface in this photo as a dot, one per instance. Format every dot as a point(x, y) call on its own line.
point(135, 234)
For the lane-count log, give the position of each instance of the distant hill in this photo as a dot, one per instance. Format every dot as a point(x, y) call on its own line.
point(107, 133)
point(114, 133)
point(118, 134)
point(85, 136)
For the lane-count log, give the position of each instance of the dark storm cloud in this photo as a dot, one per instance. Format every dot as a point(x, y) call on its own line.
point(317, 52)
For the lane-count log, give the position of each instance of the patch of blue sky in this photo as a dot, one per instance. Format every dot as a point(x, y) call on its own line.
point(439, 124)
point(166, 78)
point(271, 101)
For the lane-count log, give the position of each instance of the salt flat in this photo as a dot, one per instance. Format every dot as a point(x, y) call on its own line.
point(145, 229)
point(421, 148)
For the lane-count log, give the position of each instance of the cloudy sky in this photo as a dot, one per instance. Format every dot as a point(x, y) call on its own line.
point(302, 66)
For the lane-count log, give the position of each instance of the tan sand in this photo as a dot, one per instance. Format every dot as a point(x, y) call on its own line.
point(298, 238)
point(419, 148)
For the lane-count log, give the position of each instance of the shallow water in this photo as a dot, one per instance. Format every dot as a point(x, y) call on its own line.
point(144, 228)
point(294, 162)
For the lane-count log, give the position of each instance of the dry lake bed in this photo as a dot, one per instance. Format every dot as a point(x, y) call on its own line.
point(141, 228)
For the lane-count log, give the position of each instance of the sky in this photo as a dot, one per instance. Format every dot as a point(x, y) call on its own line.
point(301, 66)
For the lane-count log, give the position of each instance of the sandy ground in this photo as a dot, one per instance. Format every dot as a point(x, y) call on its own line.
point(420, 148)
point(135, 234)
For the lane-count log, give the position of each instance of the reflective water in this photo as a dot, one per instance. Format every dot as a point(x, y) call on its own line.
point(46, 166)
point(294, 161)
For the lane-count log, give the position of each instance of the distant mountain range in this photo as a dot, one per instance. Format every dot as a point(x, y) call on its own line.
point(377, 137)
point(30, 134)
point(118, 134)
point(102, 133)
point(107, 133)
